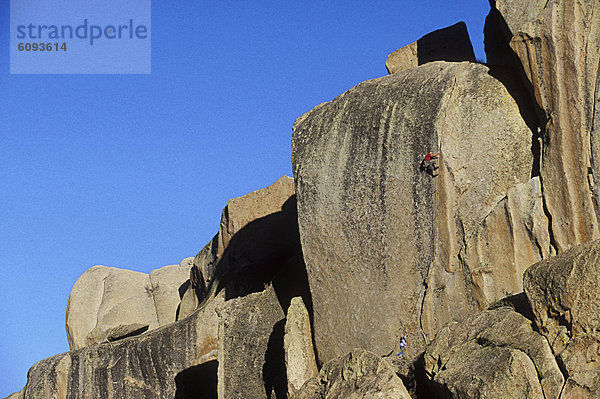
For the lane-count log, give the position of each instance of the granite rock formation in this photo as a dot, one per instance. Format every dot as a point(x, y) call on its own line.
point(300, 362)
point(446, 44)
point(214, 262)
point(493, 354)
point(382, 242)
point(387, 249)
point(564, 296)
point(557, 44)
point(359, 374)
point(107, 303)
point(232, 346)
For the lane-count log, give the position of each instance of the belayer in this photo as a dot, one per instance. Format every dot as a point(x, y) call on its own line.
point(429, 164)
point(402, 346)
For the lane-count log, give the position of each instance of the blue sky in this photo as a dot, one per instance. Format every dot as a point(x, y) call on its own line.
point(133, 171)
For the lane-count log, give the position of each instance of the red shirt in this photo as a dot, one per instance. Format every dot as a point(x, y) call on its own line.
point(428, 156)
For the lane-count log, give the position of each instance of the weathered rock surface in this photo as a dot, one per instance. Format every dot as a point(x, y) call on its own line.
point(104, 298)
point(107, 303)
point(498, 256)
point(359, 374)
point(158, 364)
point(377, 235)
point(447, 44)
point(494, 354)
point(300, 362)
point(564, 296)
point(166, 284)
point(558, 45)
point(251, 358)
point(237, 335)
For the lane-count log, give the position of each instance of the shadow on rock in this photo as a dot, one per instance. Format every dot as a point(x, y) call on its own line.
point(197, 382)
point(266, 250)
point(505, 66)
point(274, 374)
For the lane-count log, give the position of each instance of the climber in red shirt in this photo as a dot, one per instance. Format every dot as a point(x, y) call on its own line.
point(429, 164)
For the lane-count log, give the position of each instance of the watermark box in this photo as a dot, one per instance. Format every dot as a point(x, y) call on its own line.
point(80, 37)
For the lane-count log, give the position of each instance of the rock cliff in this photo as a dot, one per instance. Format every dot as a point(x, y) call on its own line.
point(389, 249)
point(489, 265)
point(557, 44)
point(230, 346)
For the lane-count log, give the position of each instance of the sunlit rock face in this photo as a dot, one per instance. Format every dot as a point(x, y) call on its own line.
point(384, 244)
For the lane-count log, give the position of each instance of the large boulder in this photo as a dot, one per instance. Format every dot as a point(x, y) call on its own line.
point(106, 299)
point(358, 375)
point(447, 44)
point(107, 303)
point(564, 296)
point(494, 354)
point(557, 44)
point(251, 358)
point(384, 243)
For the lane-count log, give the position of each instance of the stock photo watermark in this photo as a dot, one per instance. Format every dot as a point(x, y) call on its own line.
point(80, 37)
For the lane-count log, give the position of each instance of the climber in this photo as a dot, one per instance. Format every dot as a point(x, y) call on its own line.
point(429, 164)
point(402, 346)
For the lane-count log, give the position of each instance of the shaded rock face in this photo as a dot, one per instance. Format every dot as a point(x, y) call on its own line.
point(359, 374)
point(558, 46)
point(564, 296)
point(259, 228)
point(384, 244)
point(300, 362)
point(107, 303)
point(493, 354)
point(447, 44)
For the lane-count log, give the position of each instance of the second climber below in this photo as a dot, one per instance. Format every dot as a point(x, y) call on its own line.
point(429, 163)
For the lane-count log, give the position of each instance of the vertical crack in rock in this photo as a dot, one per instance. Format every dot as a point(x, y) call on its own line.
point(436, 205)
point(553, 244)
point(152, 289)
point(595, 145)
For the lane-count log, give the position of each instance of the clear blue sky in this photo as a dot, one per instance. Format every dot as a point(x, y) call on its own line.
point(132, 171)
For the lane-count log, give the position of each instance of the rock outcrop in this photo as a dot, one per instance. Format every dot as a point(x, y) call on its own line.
point(447, 44)
point(107, 298)
point(251, 358)
point(158, 364)
point(564, 296)
point(382, 242)
point(167, 286)
point(359, 374)
point(498, 255)
point(493, 354)
point(387, 249)
point(300, 363)
point(235, 337)
point(558, 45)
point(107, 304)
point(262, 243)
